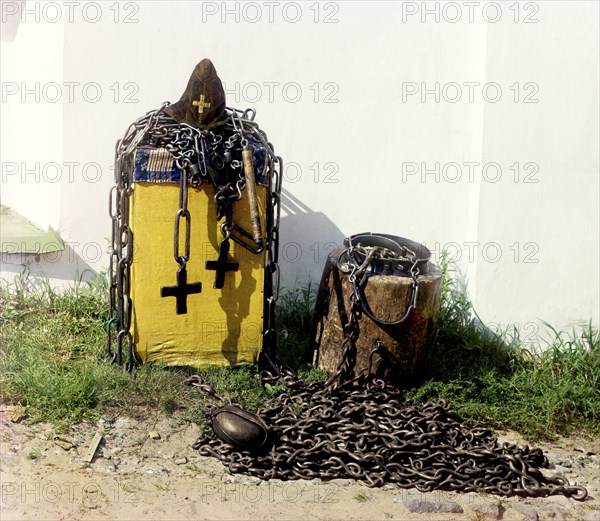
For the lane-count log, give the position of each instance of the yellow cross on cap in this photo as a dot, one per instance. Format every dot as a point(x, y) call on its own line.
point(201, 104)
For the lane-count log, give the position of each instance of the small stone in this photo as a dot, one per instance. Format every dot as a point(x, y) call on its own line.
point(559, 469)
point(580, 449)
point(180, 461)
point(63, 443)
point(421, 506)
point(553, 512)
point(560, 502)
point(526, 511)
point(154, 435)
point(105, 466)
point(568, 463)
point(250, 480)
point(241, 479)
point(592, 516)
point(15, 413)
point(491, 508)
point(343, 482)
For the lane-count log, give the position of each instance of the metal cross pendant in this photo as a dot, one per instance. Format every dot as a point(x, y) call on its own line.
point(222, 265)
point(181, 290)
point(201, 104)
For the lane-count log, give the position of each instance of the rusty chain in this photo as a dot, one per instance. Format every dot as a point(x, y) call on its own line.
point(370, 433)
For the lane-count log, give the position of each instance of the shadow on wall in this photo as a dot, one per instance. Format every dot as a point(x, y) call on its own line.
point(61, 268)
point(306, 238)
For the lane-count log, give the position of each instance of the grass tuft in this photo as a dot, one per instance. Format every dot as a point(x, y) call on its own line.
point(490, 378)
point(54, 360)
point(294, 320)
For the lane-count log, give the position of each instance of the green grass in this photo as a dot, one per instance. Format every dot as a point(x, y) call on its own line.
point(294, 320)
point(54, 359)
point(490, 378)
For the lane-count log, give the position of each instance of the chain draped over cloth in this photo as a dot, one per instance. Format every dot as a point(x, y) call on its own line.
point(195, 140)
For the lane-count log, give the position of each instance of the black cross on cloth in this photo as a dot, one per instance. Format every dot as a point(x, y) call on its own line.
point(181, 290)
point(222, 265)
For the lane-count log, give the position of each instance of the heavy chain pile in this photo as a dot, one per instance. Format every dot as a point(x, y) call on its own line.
point(371, 434)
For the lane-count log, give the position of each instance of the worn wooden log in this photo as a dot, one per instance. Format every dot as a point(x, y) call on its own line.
point(388, 298)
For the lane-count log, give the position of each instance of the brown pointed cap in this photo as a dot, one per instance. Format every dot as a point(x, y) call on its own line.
point(202, 105)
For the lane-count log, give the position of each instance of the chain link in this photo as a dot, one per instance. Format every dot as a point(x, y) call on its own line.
point(184, 213)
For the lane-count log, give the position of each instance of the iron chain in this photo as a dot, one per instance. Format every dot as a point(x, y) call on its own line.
point(371, 434)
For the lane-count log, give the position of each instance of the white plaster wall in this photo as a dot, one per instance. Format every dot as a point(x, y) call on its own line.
point(31, 128)
point(352, 128)
point(548, 230)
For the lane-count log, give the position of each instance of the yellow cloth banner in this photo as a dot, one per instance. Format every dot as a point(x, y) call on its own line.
point(221, 326)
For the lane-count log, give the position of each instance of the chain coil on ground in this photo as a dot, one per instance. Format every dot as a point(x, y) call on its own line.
point(372, 434)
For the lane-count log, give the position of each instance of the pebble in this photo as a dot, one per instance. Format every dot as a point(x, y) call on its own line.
point(154, 435)
point(241, 479)
point(592, 516)
point(180, 461)
point(105, 466)
point(528, 512)
point(567, 463)
point(63, 443)
point(560, 469)
point(553, 512)
point(424, 506)
point(490, 508)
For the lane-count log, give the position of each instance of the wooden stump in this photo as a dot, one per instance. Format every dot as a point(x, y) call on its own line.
point(388, 297)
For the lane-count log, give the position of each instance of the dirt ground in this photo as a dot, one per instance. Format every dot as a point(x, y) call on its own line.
point(146, 469)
